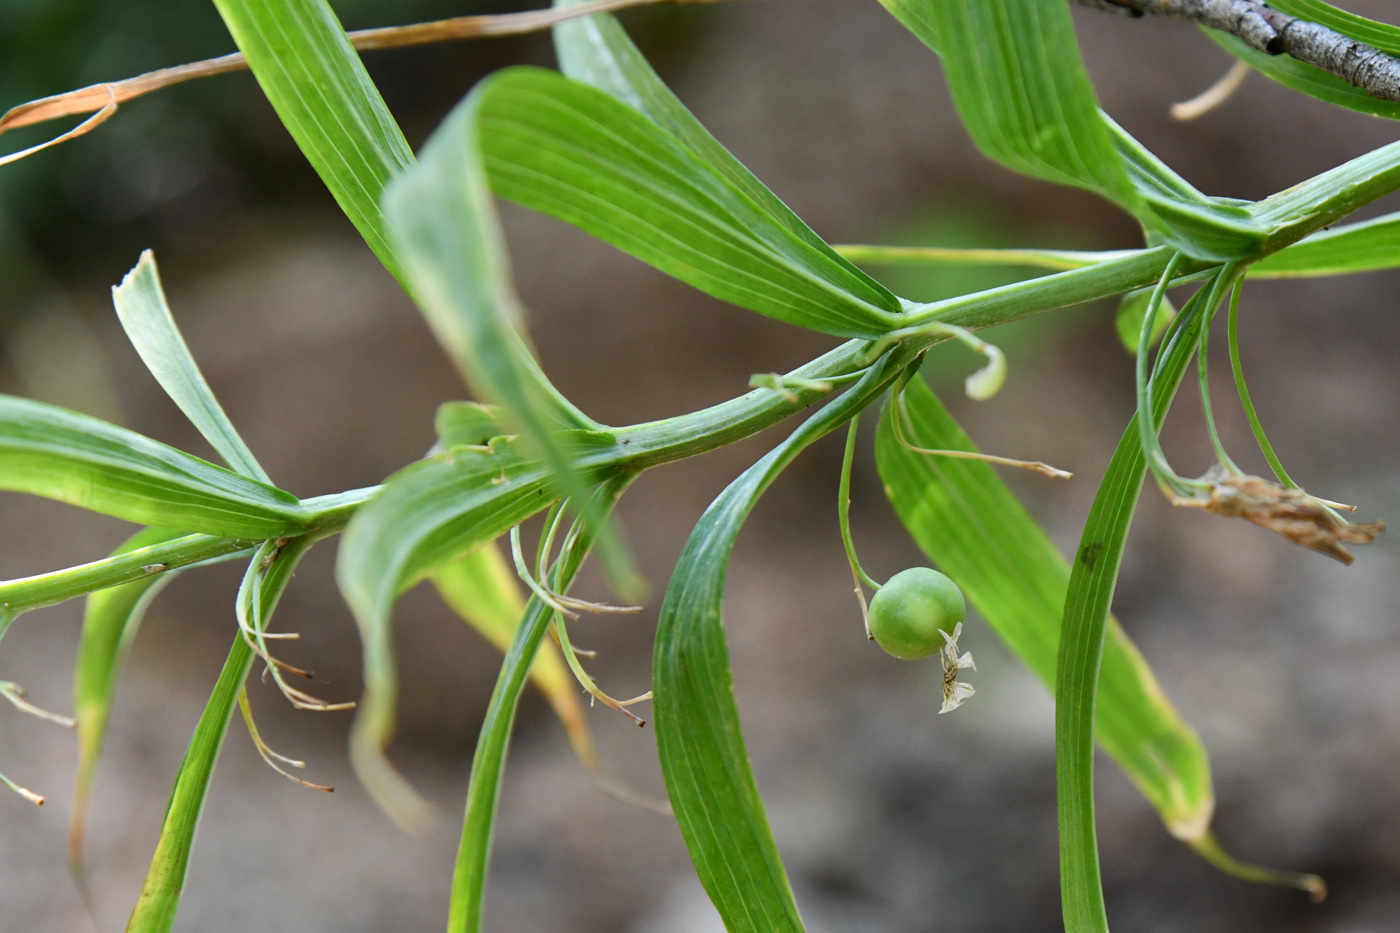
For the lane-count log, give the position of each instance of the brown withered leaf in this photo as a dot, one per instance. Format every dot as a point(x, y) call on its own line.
point(1292, 513)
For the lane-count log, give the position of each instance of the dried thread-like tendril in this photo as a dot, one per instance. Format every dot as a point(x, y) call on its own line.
point(16, 695)
point(1212, 97)
point(897, 415)
point(268, 755)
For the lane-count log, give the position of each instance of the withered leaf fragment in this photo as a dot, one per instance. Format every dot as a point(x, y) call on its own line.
point(1292, 513)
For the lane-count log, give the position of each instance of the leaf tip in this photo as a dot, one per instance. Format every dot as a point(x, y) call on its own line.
point(394, 795)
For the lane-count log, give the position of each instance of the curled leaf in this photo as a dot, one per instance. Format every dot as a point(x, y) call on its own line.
point(988, 380)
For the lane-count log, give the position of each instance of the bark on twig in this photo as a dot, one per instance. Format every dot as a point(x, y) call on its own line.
point(1267, 30)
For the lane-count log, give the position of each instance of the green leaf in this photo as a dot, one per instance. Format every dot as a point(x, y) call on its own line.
point(1131, 310)
point(1305, 78)
point(1149, 174)
point(597, 51)
point(1016, 77)
point(146, 318)
point(165, 879)
point(1218, 229)
point(455, 259)
point(483, 589)
point(316, 82)
point(1015, 74)
point(1382, 36)
point(110, 622)
point(467, 424)
point(1363, 247)
point(427, 514)
point(698, 734)
point(972, 527)
point(49, 451)
point(1082, 641)
point(489, 759)
point(577, 153)
point(1213, 231)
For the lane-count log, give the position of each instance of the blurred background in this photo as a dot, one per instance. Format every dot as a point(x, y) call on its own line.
point(890, 817)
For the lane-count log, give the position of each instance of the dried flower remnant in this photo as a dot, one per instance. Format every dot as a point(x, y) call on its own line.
point(954, 690)
point(1299, 517)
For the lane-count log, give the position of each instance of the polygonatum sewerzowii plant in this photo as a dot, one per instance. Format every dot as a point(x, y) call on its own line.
point(603, 144)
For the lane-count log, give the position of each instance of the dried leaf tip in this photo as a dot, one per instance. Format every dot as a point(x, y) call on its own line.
point(1299, 517)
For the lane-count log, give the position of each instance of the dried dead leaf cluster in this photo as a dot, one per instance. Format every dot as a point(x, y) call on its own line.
point(1299, 517)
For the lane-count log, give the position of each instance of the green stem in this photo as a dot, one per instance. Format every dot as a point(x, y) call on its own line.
point(1151, 446)
point(650, 444)
point(1202, 368)
point(1311, 205)
point(552, 520)
point(1138, 269)
point(165, 879)
point(645, 445)
point(1056, 259)
point(46, 589)
point(1245, 399)
point(843, 515)
point(488, 762)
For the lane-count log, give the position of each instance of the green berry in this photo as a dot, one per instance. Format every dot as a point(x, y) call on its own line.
point(908, 611)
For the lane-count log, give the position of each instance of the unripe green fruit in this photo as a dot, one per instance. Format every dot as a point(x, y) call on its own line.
point(907, 612)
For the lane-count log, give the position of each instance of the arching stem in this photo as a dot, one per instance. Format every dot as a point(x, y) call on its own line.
point(843, 513)
point(1232, 322)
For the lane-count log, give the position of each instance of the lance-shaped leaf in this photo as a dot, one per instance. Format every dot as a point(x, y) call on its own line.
point(316, 82)
point(1015, 74)
point(49, 451)
point(1217, 229)
point(1363, 247)
point(427, 514)
point(114, 615)
point(146, 318)
point(165, 879)
point(446, 230)
point(1132, 309)
point(483, 589)
point(489, 759)
point(582, 155)
point(110, 621)
point(698, 734)
point(1306, 79)
point(312, 75)
point(1378, 35)
point(974, 529)
point(1082, 636)
point(454, 255)
point(597, 51)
